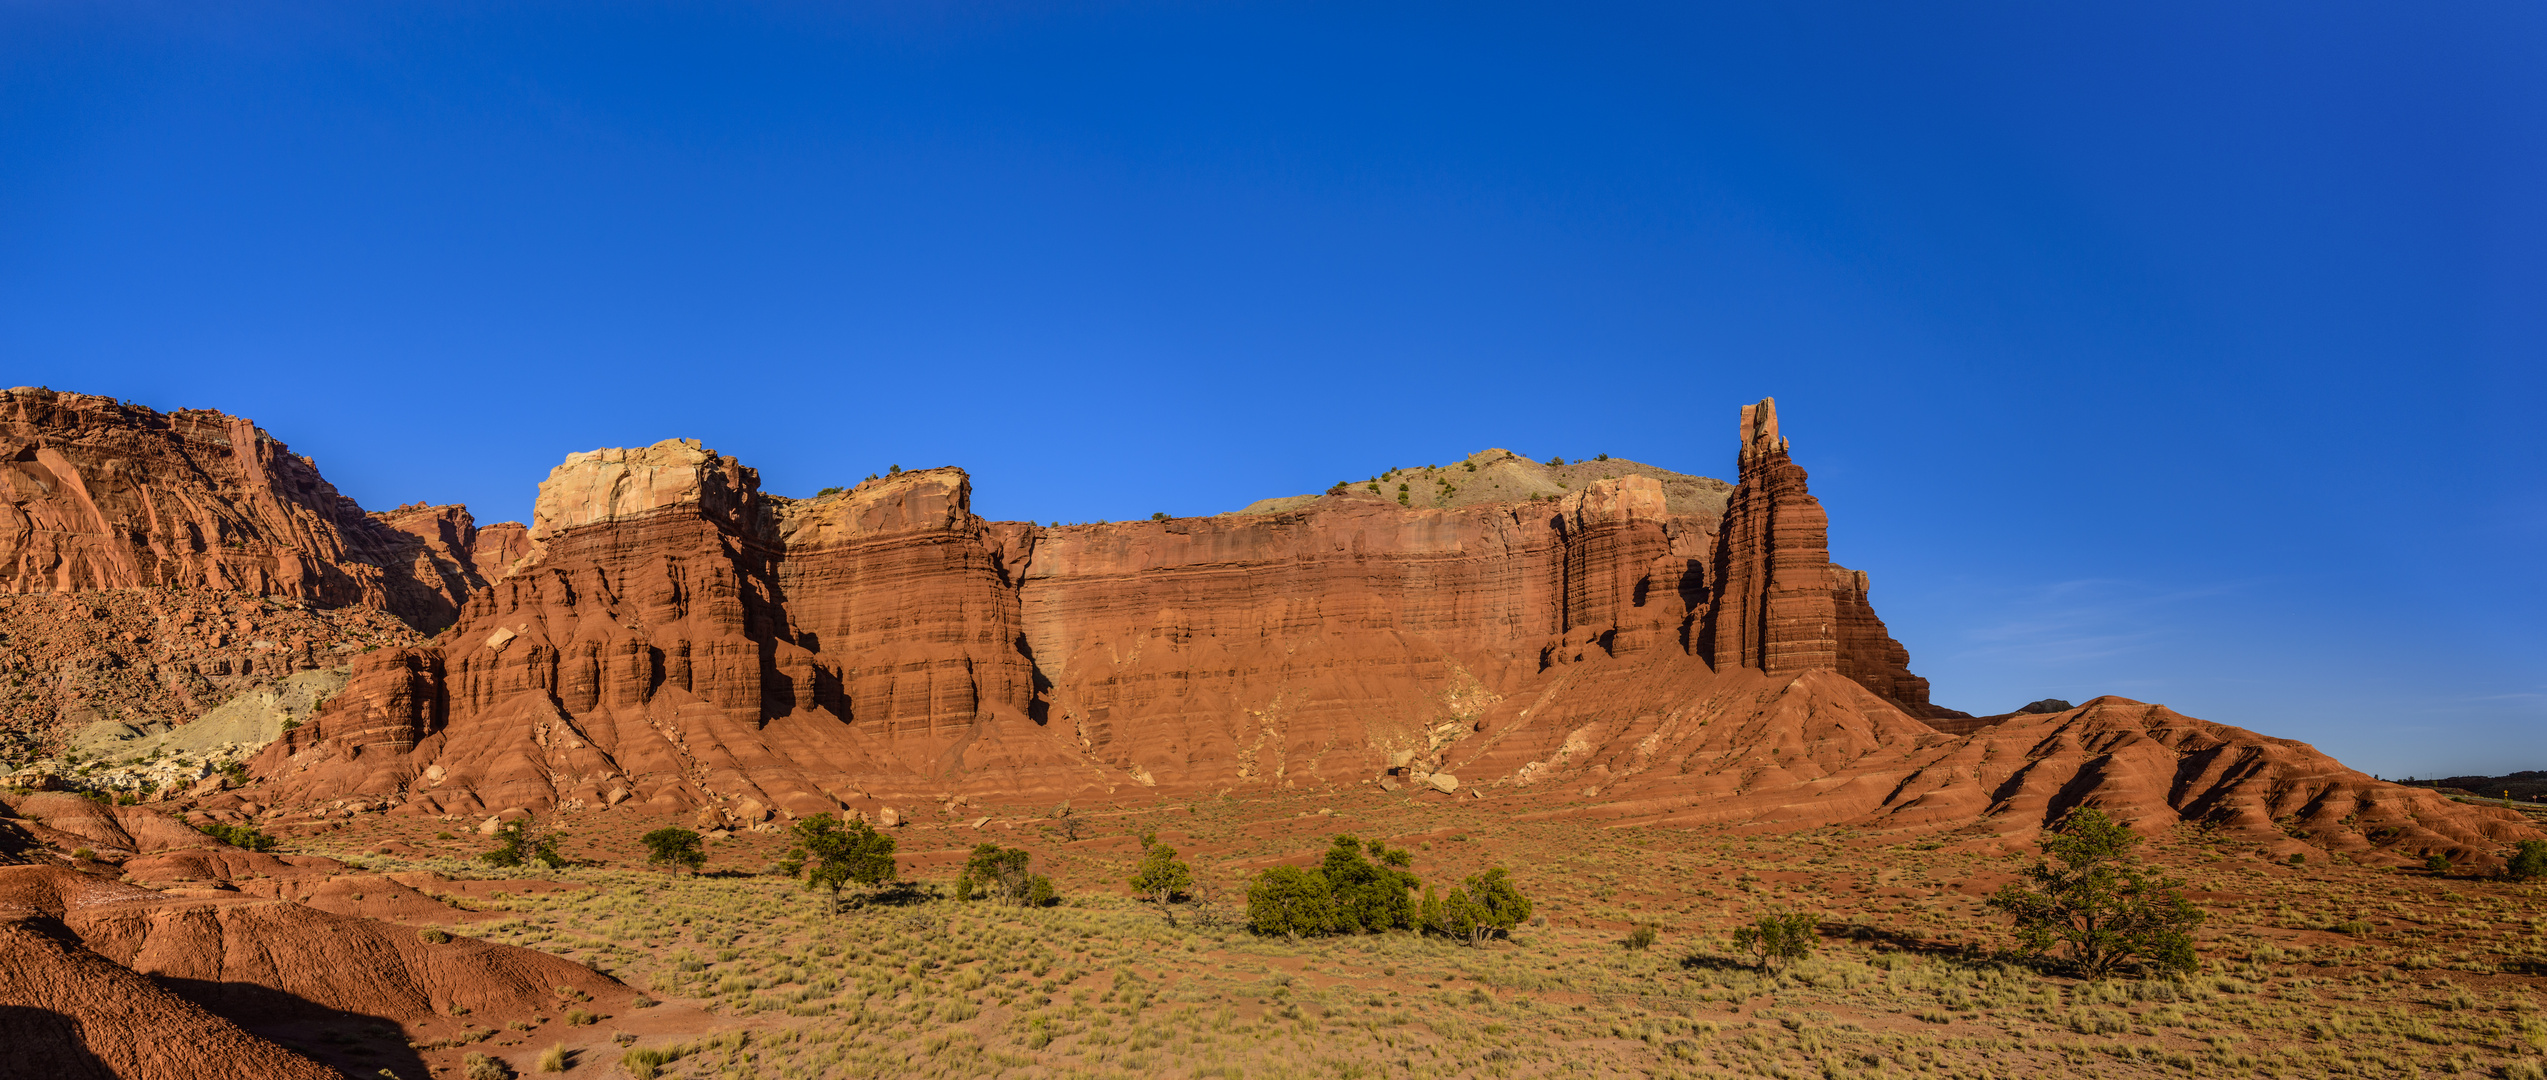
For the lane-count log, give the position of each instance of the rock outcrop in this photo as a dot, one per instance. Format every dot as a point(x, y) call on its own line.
point(229, 968)
point(1782, 607)
point(96, 494)
point(677, 641)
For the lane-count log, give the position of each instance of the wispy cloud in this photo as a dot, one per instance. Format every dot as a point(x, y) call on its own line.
point(2083, 620)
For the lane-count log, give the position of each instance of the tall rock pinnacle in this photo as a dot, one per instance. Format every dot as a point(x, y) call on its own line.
point(1780, 605)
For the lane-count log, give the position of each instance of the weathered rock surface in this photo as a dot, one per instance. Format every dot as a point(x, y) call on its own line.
point(664, 637)
point(266, 964)
point(679, 642)
point(72, 1014)
point(95, 494)
point(1781, 606)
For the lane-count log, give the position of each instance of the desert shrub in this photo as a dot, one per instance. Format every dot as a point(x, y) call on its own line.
point(84, 854)
point(1001, 874)
point(1777, 939)
point(553, 1059)
point(832, 490)
point(2107, 908)
point(1500, 906)
point(1642, 937)
point(521, 842)
point(648, 1063)
point(675, 848)
point(829, 855)
point(238, 836)
point(1290, 901)
point(2527, 861)
point(1161, 875)
point(1365, 896)
point(478, 1066)
point(2437, 862)
point(431, 936)
point(1483, 906)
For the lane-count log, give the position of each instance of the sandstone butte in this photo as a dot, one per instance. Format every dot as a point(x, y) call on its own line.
point(664, 638)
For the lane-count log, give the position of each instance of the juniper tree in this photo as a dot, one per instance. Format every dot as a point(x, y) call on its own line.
point(2107, 908)
point(829, 855)
point(1776, 939)
point(1290, 901)
point(674, 848)
point(1161, 876)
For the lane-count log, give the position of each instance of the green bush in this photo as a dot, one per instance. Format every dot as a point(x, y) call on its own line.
point(674, 848)
point(1365, 896)
point(521, 842)
point(829, 855)
point(1001, 874)
point(1290, 901)
point(1161, 876)
point(2527, 861)
point(1642, 937)
point(238, 836)
point(2438, 863)
point(2101, 902)
point(1777, 939)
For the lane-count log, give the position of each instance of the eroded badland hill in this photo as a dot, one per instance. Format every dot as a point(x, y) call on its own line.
point(1651, 696)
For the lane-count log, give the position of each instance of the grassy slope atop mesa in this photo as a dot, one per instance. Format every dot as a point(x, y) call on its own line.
point(2311, 970)
point(1499, 476)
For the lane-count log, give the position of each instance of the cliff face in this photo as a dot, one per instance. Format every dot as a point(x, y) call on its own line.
point(99, 495)
point(677, 639)
point(1784, 607)
point(668, 637)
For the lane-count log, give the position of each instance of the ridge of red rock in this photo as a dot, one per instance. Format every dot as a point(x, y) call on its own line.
point(104, 495)
point(676, 640)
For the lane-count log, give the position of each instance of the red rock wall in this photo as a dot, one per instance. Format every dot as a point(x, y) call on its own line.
point(95, 494)
point(674, 640)
point(1782, 607)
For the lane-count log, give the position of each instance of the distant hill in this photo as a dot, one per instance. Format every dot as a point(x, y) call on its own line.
point(1501, 476)
point(2527, 786)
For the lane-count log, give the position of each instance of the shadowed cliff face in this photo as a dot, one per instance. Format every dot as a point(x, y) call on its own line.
point(669, 638)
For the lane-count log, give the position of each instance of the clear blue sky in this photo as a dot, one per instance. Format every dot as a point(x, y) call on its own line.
point(2184, 351)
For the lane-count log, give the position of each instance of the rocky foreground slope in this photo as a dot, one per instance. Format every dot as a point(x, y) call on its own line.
point(664, 637)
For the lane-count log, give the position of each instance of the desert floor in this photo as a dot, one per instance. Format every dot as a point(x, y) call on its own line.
point(2308, 970)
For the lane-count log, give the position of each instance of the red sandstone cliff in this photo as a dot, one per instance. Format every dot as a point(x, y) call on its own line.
point(95, 494)
point(1783, 607)
point(669, 637)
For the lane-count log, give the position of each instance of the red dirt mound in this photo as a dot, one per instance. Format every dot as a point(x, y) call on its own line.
point(275, 965)
point(63, 818)
point(225, 863)
point(70, 1014)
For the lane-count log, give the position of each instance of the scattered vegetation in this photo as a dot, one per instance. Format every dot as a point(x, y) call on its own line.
point(1002, 874)
point(1777, 939)
point(238, 836)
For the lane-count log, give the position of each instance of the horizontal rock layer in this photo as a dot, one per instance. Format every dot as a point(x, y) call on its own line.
point(677, 641)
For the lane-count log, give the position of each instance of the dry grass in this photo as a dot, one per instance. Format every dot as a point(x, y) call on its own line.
point(2308, 971)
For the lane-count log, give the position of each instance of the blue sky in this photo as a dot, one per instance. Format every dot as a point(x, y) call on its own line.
point(2190, 352)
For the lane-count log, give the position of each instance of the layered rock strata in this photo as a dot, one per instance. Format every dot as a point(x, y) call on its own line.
point(1784, 607)
point(96, 494)
point(673, 639)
